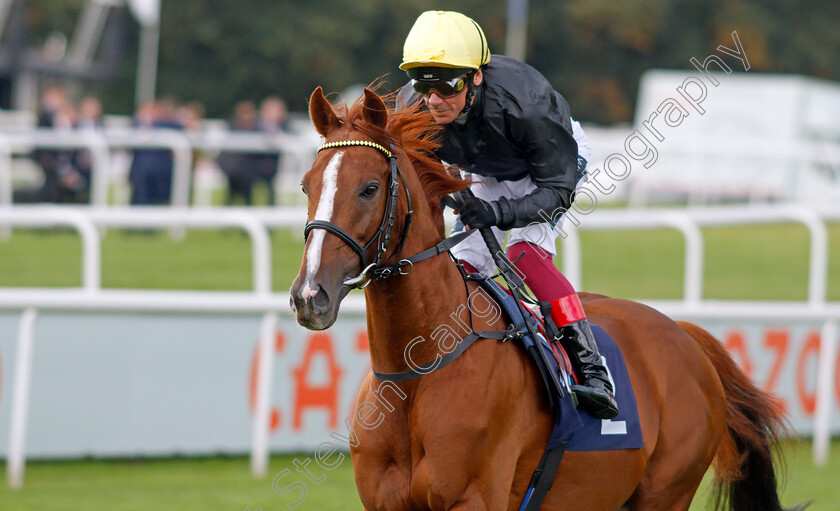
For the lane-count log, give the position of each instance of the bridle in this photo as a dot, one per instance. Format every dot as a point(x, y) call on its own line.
point(382, 237)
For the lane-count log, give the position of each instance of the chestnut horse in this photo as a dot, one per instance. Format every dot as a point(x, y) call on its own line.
point(469, 436)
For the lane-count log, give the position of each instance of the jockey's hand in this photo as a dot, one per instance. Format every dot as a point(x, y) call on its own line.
point(477, 213)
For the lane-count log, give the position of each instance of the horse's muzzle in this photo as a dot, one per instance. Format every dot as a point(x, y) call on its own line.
point(316, 309)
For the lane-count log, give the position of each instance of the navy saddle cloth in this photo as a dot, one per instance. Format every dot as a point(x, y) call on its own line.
point(582, 431)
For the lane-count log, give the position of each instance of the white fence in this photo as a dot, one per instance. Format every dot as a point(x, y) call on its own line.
point(700, 168)
point(296, 153)
point(262, 300)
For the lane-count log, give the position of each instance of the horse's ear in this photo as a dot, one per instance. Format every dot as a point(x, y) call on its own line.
point(374, 110)
point(321, 113)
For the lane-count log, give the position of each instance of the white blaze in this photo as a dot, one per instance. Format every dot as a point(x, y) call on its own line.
point(324, 212)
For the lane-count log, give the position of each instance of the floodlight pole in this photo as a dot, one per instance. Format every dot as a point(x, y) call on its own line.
point(517, 29)
point(147, 63)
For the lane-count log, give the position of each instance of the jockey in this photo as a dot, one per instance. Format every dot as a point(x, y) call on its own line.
point(512, 135)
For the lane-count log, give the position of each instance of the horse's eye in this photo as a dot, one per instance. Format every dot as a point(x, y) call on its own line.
point(370, 191)
point(303, 189)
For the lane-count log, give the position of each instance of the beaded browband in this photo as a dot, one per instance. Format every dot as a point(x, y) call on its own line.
point(345, 143)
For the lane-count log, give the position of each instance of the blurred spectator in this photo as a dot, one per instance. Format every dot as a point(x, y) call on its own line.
point(62, 181)
point(53, 99)
point(90, 114)
point(150, 174)
point(243, 170)
point(89, 118)
point(245, 116)
point(191, 115)
point(69, 185)
point(273, 115)
point(191, 118)
point(272, 121)
point(166, 115)
point(239, 168)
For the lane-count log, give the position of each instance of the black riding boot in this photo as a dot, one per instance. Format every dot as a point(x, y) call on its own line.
point(595, 394)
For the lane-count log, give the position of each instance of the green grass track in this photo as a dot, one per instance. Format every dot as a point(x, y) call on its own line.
point(741, 263)
point(224, 484)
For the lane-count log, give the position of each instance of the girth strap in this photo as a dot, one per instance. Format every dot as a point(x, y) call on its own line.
point(543, 478)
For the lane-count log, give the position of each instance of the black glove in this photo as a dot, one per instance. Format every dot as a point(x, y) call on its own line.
point(477, 213)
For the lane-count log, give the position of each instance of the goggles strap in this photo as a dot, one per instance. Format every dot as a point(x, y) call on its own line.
point(470, 96)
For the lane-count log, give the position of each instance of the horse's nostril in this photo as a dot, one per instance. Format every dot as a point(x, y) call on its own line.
point(321, 300)
point(292, 304)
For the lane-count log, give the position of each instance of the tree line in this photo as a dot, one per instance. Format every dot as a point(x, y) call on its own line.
point(592, 51)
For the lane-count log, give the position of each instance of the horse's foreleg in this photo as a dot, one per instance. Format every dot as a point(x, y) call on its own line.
point(474, 502)
point(464, 495)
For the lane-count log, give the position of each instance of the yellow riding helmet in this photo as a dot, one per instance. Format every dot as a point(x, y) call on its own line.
point(445, 39)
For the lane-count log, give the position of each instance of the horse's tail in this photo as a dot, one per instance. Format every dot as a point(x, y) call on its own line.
point(745, 478)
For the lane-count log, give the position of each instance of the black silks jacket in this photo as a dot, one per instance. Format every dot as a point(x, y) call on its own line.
point(518, 126)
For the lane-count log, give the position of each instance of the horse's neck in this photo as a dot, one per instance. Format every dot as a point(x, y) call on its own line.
point(407, 308)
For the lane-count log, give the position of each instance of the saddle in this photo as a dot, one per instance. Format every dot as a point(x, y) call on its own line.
point(581, 431)
point(573, 429)
point(554, 350)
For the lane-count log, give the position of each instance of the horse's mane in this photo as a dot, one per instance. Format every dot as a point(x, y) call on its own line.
point(414, 130)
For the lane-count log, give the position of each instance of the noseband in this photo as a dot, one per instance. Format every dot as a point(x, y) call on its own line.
point(383, 235)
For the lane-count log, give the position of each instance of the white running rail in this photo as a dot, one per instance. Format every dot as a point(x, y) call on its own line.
point(88, 221)
point(295, 151)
